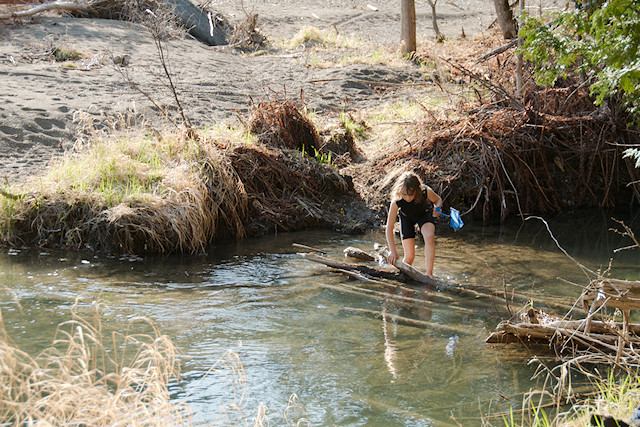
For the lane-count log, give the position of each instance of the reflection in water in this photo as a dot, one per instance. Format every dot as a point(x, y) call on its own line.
point(397, 298)
point(300, 329)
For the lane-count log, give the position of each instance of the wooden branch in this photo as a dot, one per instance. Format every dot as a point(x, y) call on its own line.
point(366, 269)
point(487, 84)
point(499, 50)
point(309, 248)
point(359, 254)
point(70, 6)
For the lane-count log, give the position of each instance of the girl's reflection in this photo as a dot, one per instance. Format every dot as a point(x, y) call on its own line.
point(402, 302)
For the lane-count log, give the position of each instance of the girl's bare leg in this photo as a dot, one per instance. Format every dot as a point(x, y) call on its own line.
point(409, 249)
point(428, 233)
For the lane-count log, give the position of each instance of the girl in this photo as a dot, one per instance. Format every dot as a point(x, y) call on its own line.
point(409, 199)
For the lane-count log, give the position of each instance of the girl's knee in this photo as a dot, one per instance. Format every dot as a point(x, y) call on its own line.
point(428, 235)
point(408, 258)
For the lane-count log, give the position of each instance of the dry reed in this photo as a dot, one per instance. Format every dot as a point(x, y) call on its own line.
point(80, 380)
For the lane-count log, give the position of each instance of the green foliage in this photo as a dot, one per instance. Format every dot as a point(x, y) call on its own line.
point(324, 158)
point(600, 40)
point(358, 130)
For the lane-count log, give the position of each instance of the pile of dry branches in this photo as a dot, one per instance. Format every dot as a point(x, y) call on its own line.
point(281, 123)
point(287, 189)
point(557, 152)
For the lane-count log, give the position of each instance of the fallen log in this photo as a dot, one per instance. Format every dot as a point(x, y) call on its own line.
point(597, 338)
point(362, 268)
point(359, 254)
point(200, 25)
point(614, 293)
point(412, 272)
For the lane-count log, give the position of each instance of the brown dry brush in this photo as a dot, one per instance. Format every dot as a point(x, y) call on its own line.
point(281, 123)
point(288, 190)
point(558, 152)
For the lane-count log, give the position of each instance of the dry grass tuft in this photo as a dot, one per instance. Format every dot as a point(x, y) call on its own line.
point(80, 380)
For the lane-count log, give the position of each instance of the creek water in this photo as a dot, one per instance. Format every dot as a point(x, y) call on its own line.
point(300, 330)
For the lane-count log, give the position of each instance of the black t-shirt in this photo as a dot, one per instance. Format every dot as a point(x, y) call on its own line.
point(413, 210)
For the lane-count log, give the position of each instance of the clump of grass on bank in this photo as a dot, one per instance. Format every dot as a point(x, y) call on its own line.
point(617, 398)
point(79, 380)
point(135, 194)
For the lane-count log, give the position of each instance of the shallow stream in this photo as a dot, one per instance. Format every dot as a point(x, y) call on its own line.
point(301, 330)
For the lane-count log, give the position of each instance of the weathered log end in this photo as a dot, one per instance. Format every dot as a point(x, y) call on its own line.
point(359, 254)
point(202, 26)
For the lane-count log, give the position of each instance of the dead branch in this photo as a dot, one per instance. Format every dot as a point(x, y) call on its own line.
point(69, 6)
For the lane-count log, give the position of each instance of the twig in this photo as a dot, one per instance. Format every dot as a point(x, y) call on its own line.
point(487, 84)
point(506, 300)
point(298, 245)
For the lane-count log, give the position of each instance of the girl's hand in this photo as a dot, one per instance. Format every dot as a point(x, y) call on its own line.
point(436, 211)
point(392, 257)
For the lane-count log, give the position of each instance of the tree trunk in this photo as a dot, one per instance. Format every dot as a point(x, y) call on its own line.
point(505, 18)
point(408, 17)
point(434, 21)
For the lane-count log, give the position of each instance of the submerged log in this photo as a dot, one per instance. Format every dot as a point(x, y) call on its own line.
point(362, 268)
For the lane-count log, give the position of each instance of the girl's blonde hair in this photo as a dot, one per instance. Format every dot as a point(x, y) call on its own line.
point(408, 183)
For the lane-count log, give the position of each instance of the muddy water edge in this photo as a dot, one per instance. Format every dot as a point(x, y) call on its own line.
point(299, 329)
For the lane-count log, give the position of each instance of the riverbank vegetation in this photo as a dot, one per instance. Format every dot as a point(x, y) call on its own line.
point(148, 192)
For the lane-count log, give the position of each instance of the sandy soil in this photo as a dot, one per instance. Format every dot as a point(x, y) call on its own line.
point(41, 101)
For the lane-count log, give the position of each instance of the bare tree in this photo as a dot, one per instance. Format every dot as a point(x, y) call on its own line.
point(408, 18)
point(434, 20)
point(505, 18)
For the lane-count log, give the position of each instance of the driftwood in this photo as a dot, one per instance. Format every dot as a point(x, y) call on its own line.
point(362, 268)
point(309, 248)
point(405, 273)
point(412, 272)
point(70, 6)
point(202, 26)
point(613, 293)
point(361, 255)
point(593, 341)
